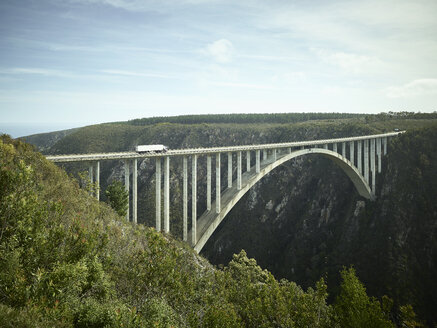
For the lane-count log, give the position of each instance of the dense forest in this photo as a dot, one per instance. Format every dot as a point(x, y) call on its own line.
point(299, 222)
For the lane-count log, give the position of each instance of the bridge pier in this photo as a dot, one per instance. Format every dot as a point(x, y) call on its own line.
point(217, 183)
point(185, 199)
point(158, 193)
point(352, 152)
point(134, 189)
point(384, 142)
point(208, 182)
point(239, 170)
point(359, 156)
point(265, 155)
point(229, 170)
point(167, 194)
point(334, 147)
point(366, 160)
point(343, 149)
point(126, 185)
point(194, 199)
point(372, 165)
point(274, 155)
point(258, 161)
point(378, 153)
point(248, 161)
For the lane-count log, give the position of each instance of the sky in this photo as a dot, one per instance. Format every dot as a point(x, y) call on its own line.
point(67, 63)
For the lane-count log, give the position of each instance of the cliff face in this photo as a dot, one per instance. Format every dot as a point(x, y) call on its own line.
point(305, 219)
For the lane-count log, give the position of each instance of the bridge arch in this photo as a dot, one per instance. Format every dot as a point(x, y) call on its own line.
point(210, 220)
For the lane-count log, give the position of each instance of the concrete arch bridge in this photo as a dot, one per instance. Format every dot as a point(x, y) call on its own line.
point(359, 157)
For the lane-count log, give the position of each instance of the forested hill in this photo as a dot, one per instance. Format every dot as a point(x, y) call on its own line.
point(304, 220)
point(67, 260)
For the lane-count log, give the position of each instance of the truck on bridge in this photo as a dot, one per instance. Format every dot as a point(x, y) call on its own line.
point(151, 149)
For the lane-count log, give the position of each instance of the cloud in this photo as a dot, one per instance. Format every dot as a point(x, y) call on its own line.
point(38, 71)
point(350, 62)
point(220, 50)
point(415, 88)
point(138, 74)
point(240, 85)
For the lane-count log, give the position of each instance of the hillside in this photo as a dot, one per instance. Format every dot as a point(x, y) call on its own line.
point(304, 220)
point(67, 260)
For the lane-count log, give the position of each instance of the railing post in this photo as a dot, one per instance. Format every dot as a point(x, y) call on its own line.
point(185, 199)
point(126, 185)
point(194, 200)
point(258, 161)
point(208, 182)
point(158, 194)
point(167, 194)
point(229, 170)
point(134, 190)
point(217, 183)
point(239, 170)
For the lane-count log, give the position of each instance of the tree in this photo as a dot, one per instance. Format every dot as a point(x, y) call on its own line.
point(118, 197)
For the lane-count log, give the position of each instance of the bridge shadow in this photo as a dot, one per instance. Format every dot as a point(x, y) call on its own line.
point(208, 222)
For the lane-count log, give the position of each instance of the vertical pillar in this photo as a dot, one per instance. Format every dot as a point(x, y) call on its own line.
point(384, 142)
point(185, 198)
point(289, 150)
point(378, 152)
point(194, 200)
point(258, 161)
point(325, 146)
point(126, 185)
point(158, 194)
point(274, 155)
point(359, 156)
point(334, 147)
point(134, 190)
point(343, 149)
point(229, 170)
point(366, 160)
point(167, 194)
point(248, 161)
point(239, 170)
point(265, 154)
point(208, 182)
point(372, 164)
point(217, 183)
point(352, 152)
point(98, 180)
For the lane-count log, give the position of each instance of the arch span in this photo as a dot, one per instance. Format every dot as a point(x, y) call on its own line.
point(210, 220)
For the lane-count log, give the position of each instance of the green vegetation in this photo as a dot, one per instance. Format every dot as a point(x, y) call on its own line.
point(118, 197)
point(67, 260)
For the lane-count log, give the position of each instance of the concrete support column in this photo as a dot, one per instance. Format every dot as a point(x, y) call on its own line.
point(208, 182)
point(185, 199)
point(134, 190)
point(372, 164)
point(325, 146)
point(274, 155)
point(167, 194)
point(384, 142)
point(378, 152)
point(352, 151)
point(98, 180)
point(359, 156)
point(239, 170)
point(343, 149)
point(289, 150)
point(334, 147)
point(217, 183)
point(258, 161)
point(126, 185)
point(229, 170)
point(366, 160)
point(194, 200)
point(265, 154)
point(248, 161)
point(158, 194)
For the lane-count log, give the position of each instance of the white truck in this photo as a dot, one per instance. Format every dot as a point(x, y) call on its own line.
point(151, 149)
